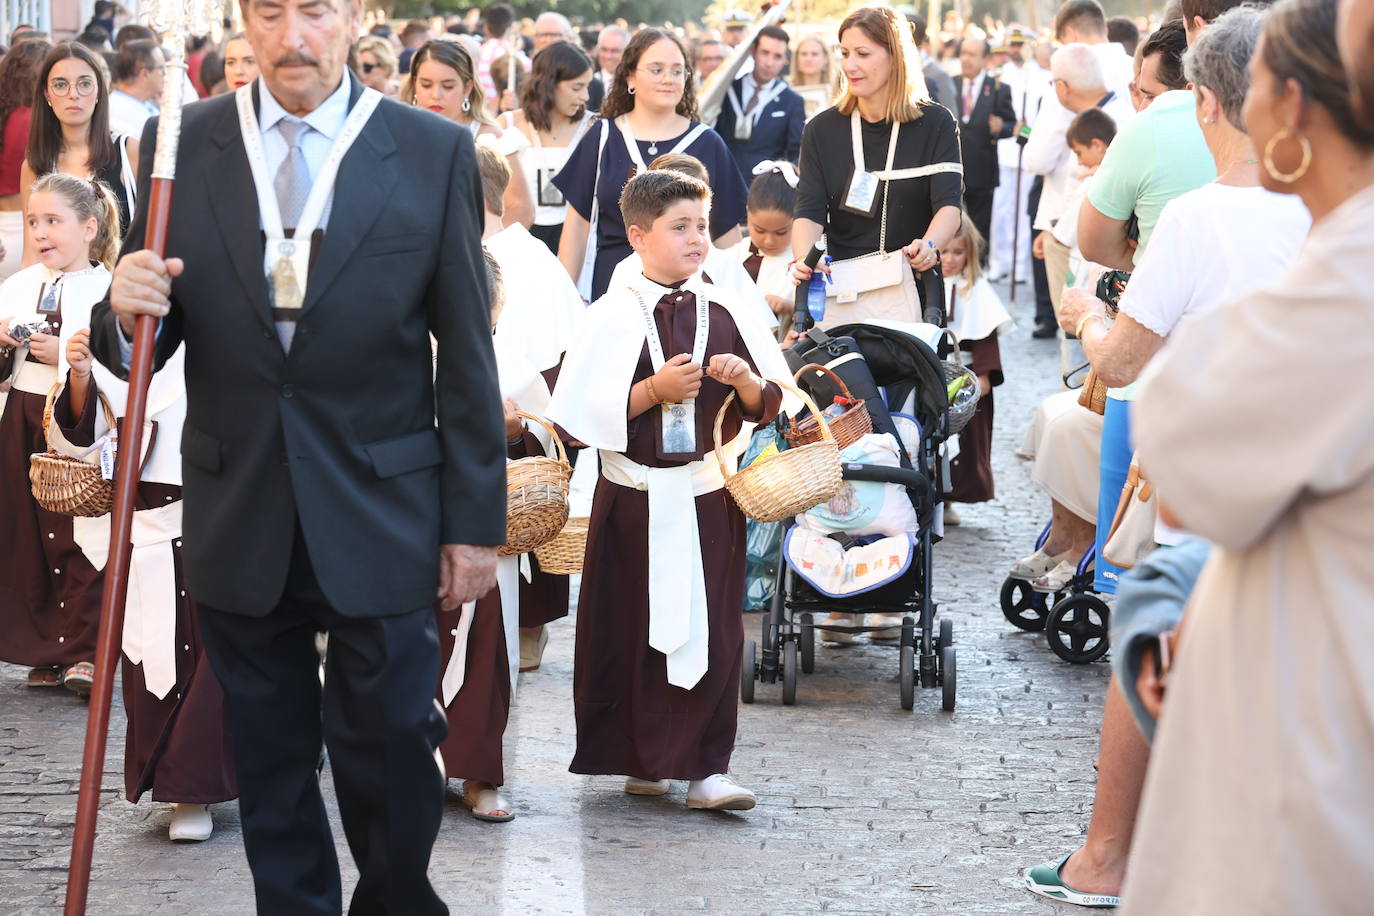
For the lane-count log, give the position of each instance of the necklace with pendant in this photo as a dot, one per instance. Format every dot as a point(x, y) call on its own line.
point(653, 148)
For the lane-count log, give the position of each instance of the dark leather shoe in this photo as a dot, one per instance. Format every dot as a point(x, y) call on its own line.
point(1044, 331)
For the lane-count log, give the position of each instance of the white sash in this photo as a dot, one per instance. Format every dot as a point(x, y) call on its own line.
point(321, 188)
point(766, 95)
point(889, 173)
point(627, 134)
point(678, 625)
point(584, 278)
point(508, 573)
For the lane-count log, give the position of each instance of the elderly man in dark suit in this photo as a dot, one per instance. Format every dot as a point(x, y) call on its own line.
point(986, 115)
point(762, 117)
point(320, 492)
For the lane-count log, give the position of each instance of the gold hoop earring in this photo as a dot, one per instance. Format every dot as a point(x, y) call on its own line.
point(1301, 170)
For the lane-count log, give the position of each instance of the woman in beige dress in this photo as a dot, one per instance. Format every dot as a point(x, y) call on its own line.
point(1256, 430)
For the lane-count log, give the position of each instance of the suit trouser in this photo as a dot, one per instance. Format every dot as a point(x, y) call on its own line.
point(978, 202)
point(381, 725)
point(1044, 304)
point(1006, 213)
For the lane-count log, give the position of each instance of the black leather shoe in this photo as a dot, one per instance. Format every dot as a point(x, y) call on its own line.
point(1044, 331)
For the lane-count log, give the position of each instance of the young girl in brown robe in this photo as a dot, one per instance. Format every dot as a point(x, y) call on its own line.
point(976, 316)
point(659, 632)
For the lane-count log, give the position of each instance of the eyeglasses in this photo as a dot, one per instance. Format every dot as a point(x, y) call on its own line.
point(84, 86)
point(660, 74)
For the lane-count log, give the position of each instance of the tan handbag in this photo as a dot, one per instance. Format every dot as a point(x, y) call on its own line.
point(1132, 535)
point(878, 285)
point(1093, 394)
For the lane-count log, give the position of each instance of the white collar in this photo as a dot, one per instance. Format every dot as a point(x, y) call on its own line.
point(654, 291)
point(327, 118)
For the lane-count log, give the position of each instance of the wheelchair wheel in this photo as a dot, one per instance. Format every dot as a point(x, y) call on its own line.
point(947, 678)
point(789, 673)
point(808, 644)
point(1023, 606)
point(1077, 628)
point(748, 671)
point(946, 633)
point(908, 677)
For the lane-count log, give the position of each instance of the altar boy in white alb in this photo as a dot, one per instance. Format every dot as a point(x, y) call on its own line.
point(659, 633)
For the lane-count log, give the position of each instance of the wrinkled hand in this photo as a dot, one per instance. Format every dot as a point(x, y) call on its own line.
point(44, 348)
point(142, 285)
point(5, 339)
point(466, 573)
point(514, 427)
point(79, 352)
point(1038, 246)
point(921, 255)
point(678, 380)
point(1075, 304)
point(729, 369)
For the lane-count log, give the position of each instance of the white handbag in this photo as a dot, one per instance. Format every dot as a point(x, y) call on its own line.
point(1132, 535)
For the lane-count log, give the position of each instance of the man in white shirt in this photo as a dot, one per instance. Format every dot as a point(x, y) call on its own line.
point(139, 70)
point(1084, 22)
point(1028, 83)
point(610, 45)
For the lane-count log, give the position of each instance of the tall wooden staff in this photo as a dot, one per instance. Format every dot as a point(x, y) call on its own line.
point(175, 20)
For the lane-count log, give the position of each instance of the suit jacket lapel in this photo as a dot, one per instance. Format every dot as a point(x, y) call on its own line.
point(235, 205)
point(367, 176)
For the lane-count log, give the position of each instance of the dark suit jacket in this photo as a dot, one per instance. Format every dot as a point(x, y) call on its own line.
point(596, 94)
point(977, 143)
point(338, 436)
point(777, 134)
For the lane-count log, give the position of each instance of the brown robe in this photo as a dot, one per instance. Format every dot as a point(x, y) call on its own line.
point(478, 714)
point(630, 720)
point(971, 472)
point(177, 747)
point(49, 591)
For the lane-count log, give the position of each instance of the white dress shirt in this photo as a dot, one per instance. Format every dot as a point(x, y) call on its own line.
point(129, 113)
point(326, 122)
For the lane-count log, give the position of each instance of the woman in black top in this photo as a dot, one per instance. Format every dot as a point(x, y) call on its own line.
point(885, 86)
point(70, 130)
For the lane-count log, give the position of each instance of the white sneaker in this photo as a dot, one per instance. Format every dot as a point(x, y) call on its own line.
point(719, 793)
point(891, 621)
point(190, 824)
point(636, 786)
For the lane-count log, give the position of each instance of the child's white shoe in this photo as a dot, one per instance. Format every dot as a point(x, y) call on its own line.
point(636, 786)
point(190, 824)
point(719, 793)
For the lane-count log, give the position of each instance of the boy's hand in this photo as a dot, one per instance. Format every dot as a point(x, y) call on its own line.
point(5, 339)
point(678, 380)
point(514, 427)
point(79, 352)
point(729, 369)
point(44, 348)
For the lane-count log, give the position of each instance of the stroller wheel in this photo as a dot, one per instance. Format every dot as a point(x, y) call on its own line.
point(747, 672)
point(1023, 606)
point(947, 678)
point(1077, 628)
point(808, 644)
point(789, 673)
point(908, 677)
point(946, 633)
point(908, 631)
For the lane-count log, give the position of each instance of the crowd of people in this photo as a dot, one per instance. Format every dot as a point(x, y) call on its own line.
point(529, 232)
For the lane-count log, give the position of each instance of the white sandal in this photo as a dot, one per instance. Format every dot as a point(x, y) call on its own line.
point(636, 786)
point(1057, 579)
point(1037, 564)
point(191, 823)
point(486, 804)
point(719, 793)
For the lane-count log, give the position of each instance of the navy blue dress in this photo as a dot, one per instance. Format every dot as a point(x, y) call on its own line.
point(612, 245)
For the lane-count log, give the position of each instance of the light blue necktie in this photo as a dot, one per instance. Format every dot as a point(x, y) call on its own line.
point(293, 175)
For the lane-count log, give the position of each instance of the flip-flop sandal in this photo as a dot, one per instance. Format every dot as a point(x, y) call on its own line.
point(45, 677)
point(488, 805)
point(1045, 880)
point(79, 677)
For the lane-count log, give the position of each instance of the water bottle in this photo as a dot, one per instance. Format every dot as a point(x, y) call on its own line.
point(815, 293)
point(836, 409)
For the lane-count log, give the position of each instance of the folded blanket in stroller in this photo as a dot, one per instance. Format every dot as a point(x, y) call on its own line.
point(838, 572)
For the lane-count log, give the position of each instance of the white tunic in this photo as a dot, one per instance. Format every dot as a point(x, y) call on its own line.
point(1257, 426)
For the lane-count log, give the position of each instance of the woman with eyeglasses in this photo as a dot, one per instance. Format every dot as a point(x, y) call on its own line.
point(443, 79)
point(553, 116)
point(70, 131)
point(651, 110)
point(18, 77)
point(377, 65)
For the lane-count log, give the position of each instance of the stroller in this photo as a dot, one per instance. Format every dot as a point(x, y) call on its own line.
point(892, 366)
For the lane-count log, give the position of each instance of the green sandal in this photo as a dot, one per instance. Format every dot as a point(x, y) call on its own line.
point(1045, 880)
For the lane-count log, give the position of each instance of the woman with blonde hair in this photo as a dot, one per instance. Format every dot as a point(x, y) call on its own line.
point(377, 65)
point(811, 74)
point(881, 177)
point(443, 79)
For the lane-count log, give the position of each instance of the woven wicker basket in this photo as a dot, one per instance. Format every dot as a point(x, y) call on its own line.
point(63, 483)
point(790, 482)
point(536, 496)
point(847, 428)
point(563, 555)
point(964, 404)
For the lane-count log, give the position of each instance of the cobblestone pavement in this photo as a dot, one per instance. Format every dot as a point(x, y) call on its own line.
point(863, 807)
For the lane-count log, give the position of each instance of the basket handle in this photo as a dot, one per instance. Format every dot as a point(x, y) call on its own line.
point(806, 399)
point(559, 450)
point(824, 370)
point(50, 403)
point(955, 353)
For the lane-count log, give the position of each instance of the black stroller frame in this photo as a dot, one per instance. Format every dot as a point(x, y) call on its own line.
point(787, 645)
